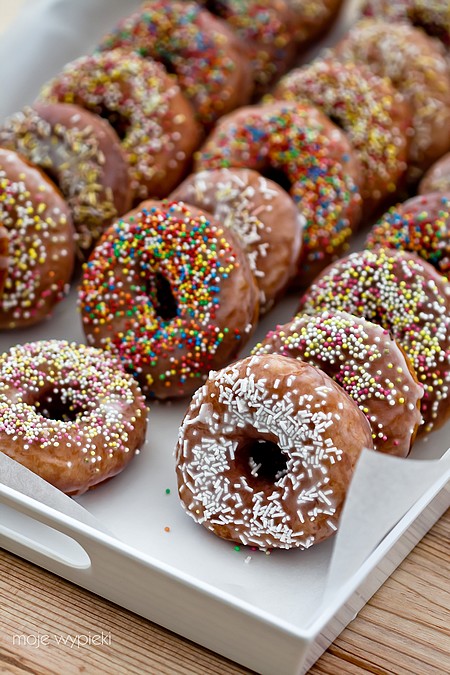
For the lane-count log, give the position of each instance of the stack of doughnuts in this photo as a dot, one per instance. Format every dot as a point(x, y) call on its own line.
point(199, 181)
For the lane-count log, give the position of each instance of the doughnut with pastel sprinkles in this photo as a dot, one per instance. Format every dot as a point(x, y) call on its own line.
point(417, 66)
point(368, 108)
point(406, 296)
point(265, 27)
point(261, 214)
point(171, 292)
point(145, 107)
point(82, 153)
point(437, 178)
point(211, 64)
point(433, 16)
point(420, 225)
point(266, 452)
point(300, 144)
point(69, 413)
point(364, 359)
point(41, 243)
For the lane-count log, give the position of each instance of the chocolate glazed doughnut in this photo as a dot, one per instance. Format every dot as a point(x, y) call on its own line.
point(69, 413)
point(364, 359)
point(171, 292)
point(81, 152)
point(41, 243)
point(266, 452)
point(406, 296)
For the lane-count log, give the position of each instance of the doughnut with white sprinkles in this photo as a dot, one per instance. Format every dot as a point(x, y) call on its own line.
point(409, 298)
point(260, 213)
point(266, 452)
point(69, 413)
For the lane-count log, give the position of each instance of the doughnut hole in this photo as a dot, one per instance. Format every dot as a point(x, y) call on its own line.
point(53, 405)
point(261, 461)
point(277, 176)
point(160, 292)
point(120, 123)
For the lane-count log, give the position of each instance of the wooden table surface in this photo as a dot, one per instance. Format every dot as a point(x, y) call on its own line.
point(403, 629)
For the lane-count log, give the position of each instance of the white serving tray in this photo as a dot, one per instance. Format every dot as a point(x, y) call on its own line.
point(273, 613)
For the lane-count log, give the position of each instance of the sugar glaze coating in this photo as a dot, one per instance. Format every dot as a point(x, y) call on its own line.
point(69, 413)
point(266, 452)
point(364, 359)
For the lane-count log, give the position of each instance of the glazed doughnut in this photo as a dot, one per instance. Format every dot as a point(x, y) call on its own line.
point(82, 153)
point(264, 26)
point(41, 246)
point(211, 64)
point(144, 105)
point(266, 452)
point(433, 17)
point(437, 178)
point(363, 358)
point(420, 225)
point(161, 291)
point(298, 145)
point(69, 413)
point(261, 214)
point(406, 296)
point(416, 64)
point(312, 18)
point(371, 112)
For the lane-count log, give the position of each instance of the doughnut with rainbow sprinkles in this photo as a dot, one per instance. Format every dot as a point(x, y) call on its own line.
point(171, 292)
point(368, 108)
point(145, 107)
point(420, 225)
point(296, 144)
point(210, 62)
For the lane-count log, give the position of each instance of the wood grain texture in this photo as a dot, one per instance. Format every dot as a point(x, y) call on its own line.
point(403, 630)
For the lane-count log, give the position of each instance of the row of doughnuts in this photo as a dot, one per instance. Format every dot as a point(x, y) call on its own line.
point(376, 321)
point(324, 178)
point(145, 144)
